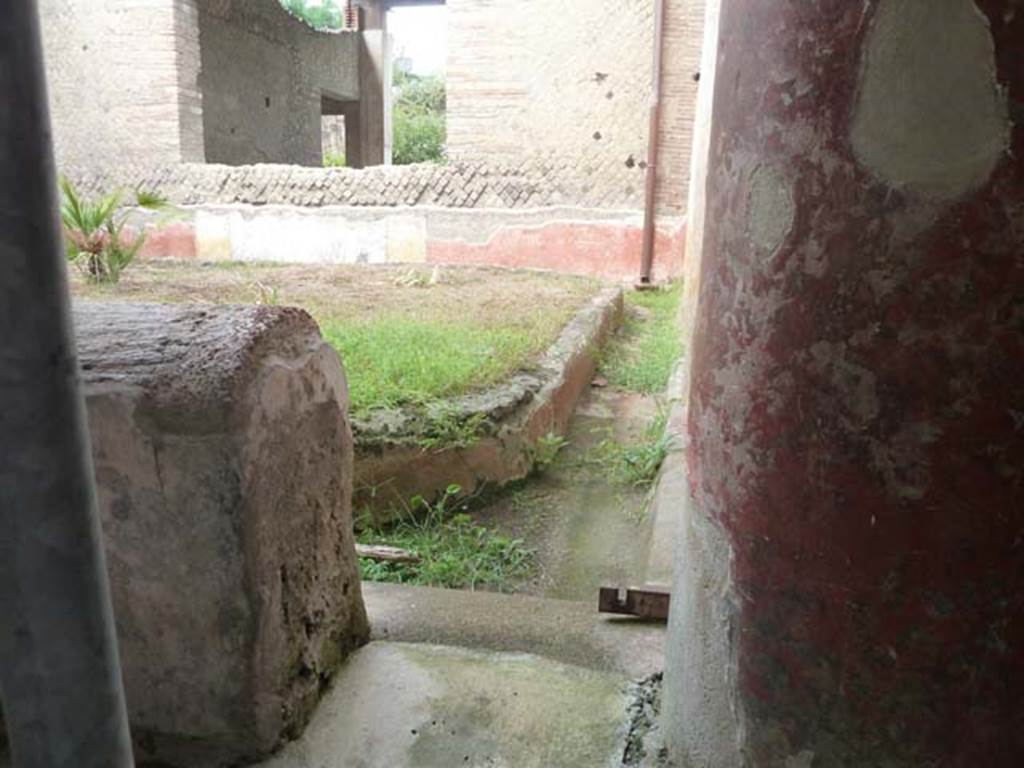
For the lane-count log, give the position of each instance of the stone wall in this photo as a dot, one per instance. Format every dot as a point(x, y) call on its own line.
point(262, 78)
point(523, 184)
point(115, 80)
point(223, 461)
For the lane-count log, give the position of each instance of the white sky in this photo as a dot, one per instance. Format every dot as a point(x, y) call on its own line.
point(421, 34)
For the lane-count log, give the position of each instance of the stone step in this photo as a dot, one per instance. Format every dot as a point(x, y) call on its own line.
point(560, 630)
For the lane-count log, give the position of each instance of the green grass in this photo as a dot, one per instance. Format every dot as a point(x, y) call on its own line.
point(455, 552)
point(402, 361)
point(641, 357)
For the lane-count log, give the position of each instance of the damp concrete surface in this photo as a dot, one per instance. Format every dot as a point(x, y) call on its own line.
point(428, 706)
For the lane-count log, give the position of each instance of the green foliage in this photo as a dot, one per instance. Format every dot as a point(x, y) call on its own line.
point(547, 449)
point(404, 361)
point(641, 357)
point(95, 238)
point(423, 92)
point(455, 552)
point(325, 16)
point(420, 131)
point(334, 160)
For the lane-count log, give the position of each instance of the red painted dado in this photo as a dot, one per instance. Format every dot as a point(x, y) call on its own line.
point(857, 412)
point(602, 250)
point(176, 240)
point(611, 251)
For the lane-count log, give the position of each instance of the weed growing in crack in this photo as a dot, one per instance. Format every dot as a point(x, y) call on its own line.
point(547, 449)
point(634, 464)
point(446, 428)
point(455, 552)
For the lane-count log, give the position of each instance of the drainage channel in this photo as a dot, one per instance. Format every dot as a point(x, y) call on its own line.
point(583, 515)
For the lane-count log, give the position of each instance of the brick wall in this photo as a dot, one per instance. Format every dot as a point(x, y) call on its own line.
point(681, 52)
point(113, 70)
point(164, 81)
point(570, 82)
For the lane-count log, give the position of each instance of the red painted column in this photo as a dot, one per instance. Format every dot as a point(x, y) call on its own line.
point(857, 389)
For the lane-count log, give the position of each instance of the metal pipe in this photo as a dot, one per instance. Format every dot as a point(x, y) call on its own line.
point(60, 680)
point(651, 178)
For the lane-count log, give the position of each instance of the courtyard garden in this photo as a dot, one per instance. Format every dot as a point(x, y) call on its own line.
point(418, 338)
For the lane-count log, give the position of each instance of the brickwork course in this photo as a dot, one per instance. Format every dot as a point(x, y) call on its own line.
point(458, 184)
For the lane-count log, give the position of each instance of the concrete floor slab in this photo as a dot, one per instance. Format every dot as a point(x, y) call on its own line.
point(397, 705)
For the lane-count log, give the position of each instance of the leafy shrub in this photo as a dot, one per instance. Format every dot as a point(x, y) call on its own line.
point(420, 131)
point(95, 238)
point(325, 16)
point(334, 160)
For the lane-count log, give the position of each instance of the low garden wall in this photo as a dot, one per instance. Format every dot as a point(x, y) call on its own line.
point(508, 424)
point(223, 460)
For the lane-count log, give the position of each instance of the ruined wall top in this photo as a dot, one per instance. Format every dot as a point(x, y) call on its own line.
point(465, 184)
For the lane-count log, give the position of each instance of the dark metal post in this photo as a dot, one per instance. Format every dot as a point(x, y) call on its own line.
point(651, 177)
point(60, 680)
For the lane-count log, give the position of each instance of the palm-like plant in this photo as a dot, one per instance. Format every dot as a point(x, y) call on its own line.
point(94, 233)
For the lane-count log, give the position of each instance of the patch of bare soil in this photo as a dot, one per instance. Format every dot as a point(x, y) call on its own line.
point(485, 296)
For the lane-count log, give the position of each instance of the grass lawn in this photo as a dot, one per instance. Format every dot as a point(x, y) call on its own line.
point(407, 335)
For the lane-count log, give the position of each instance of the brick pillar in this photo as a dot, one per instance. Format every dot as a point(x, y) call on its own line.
point(851, 585)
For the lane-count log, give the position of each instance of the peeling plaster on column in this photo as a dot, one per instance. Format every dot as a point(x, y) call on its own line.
point(814, 259)
point(803, 760)
point(770, 209)
point(902, 461)
point(856, 385)
point(928, 93)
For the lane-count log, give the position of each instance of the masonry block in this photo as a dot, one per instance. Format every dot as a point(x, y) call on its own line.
point(223, 459)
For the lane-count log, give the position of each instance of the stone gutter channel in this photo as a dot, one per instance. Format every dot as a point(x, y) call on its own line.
point(394, 463)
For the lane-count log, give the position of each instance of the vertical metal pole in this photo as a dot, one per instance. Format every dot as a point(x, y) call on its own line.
point(60, 680)
point(651, 178)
